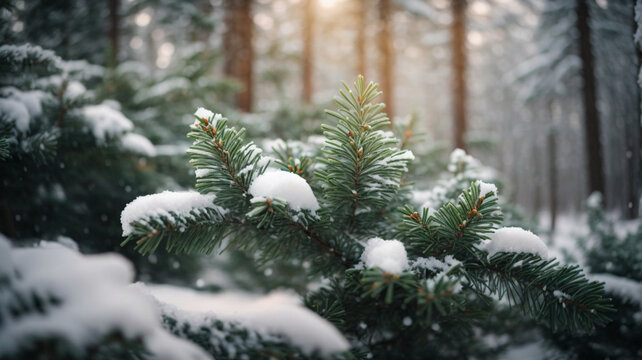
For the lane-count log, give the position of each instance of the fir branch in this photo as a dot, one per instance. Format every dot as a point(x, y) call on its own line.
point(364, 164)
point(275, 214)
point(453, 228)
point(559, 295)
point(226, 165)
point(199, 231)
point(324, 244)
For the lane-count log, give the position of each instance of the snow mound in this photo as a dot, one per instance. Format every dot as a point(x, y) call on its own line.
point(105, 121)
point(86, 309)
point(388, 255)
point(16, 112)
point(277, 313)
point(181, 202)
point(516, 240)
point(137, 144)
point(284, 186)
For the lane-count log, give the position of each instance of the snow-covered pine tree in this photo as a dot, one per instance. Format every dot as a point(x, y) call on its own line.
point(397, 280)
point(613, 256)
point(66, 154)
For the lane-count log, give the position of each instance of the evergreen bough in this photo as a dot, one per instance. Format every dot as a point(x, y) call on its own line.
point(358, 180)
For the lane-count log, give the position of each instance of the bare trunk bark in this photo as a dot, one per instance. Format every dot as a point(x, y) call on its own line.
point(386, 56)
point(308, 24)
point(237, 44)
point(591, 115)
point(458, 42)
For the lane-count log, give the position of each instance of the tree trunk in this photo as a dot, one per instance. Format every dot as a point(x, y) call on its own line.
point(386, 56)
point(237, 47)
point(308, 24)
point(114, 31)
point(458, 42)
point(633, 143)
point(552, 166)
point(591, 115)
point(360, 45)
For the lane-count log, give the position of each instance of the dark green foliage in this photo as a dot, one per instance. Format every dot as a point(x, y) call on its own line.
point(65, 25)
point(113, 346)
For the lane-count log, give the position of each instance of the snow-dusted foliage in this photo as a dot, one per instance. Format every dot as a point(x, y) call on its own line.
point(279, 314)
point(105, 122)
point(20, 107)
point(168, 204)
point(13, 58)
point(53, 292)
point(625, 288)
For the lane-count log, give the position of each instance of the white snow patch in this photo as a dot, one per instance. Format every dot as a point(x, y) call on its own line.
point(517, 240)
point(74, 90)
point(32, 100)
point(560, 295)
point(485, 188)
point(435, 265)
point(277, 313)
point(284, 186)
point(594, 200)
point(105, 121)
point(181, 202)
point(203, 113)
point(203, 172)
point(138, 144)
point(16, 112)
point(94, 300)
point(388, 255)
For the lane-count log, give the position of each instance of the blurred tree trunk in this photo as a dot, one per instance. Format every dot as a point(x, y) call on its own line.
point(458, 42)
point(237, 47)
point(591, 115)
point(308, 28)
point(114, 31)
point(360, 45)
point(552, 165)
point(386, 56)
point(634, 142)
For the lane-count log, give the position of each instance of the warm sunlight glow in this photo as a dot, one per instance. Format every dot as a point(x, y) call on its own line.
point(329, 3)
